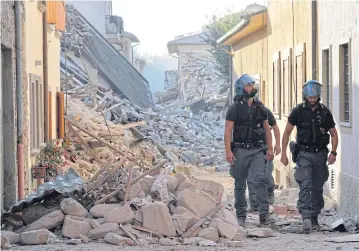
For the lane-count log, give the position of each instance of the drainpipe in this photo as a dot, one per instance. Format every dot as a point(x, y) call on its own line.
point(45, 75)
point(19, 102)
point(230, 79)
point(133, 46)
point(314, 39)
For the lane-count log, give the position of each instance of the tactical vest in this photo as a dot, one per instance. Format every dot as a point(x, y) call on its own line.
point(248, 126)
point(311, 131)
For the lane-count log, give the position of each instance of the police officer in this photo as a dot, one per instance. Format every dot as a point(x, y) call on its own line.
point(269, 167)
point(247, 122)
point(313, 121)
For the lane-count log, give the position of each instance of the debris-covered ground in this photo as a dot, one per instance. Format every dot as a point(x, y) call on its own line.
point(151, 183)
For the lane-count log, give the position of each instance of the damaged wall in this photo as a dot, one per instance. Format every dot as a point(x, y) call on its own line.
point(171, 79)
point(8, 101)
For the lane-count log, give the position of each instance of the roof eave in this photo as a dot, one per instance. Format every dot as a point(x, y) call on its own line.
point(233, 31)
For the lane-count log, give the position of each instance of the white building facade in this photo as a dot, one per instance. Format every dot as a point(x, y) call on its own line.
point(338, 37)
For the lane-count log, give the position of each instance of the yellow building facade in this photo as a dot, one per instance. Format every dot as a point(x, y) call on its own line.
point(44, 23)
point(274, 43)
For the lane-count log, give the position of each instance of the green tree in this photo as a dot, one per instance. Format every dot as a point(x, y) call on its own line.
point(218, 25)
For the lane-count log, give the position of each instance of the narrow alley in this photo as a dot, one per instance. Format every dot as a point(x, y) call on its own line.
point(107, 145)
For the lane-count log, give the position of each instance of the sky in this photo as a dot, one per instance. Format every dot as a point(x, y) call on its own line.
point(158, 21)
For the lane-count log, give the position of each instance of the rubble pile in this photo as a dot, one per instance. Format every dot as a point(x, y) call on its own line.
point(152, 208)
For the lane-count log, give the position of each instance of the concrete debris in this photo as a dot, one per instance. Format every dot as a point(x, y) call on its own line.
point(100, 231)
point(234, 244)
point(49, 221)
point(84, 238)
point(225, 229)
point(37, 237)
point(11, 236)
point(5, 243)
point(100, 210)
point(120, 215)
point(116, 239)
point(210, 233)
point(156, 216)
point(73, 228)
point(71, 207)
point(199, 203)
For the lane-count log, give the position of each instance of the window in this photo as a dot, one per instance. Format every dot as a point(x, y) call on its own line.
point(36, 112)
point(327, 76)
point(345, 84)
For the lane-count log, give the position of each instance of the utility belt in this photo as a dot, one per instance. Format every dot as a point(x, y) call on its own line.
point(236, 145)
point(295, 148)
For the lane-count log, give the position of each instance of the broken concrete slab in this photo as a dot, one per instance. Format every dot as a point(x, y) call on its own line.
point(100, 231)
point(116, 239)
point(12, 237)
point(37, 237)
point(156, 216)
point(199, 203)
point(225, 229)
point(49, 221)
point(343, 239)
point(185, 219)
point(73, 228)
point(94, 223)
point(120, 215)
point(210, 233)
point(260, 232)
point(146, 183)
point(71, 207)
point(100, 210)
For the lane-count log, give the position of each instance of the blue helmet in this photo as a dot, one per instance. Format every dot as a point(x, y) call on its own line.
point(241, 82)
point(311, 88)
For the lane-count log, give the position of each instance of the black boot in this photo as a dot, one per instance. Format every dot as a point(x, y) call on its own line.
point(307, 226)
point(315, 223)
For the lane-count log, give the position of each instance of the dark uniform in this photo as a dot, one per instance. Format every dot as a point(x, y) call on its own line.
point(269, 170)
point(311, 171)
point(249, 150)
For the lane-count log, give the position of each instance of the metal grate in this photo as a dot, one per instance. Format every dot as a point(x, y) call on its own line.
point(346, 83)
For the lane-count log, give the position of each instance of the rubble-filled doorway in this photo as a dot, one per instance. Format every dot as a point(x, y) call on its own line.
point(7, 123)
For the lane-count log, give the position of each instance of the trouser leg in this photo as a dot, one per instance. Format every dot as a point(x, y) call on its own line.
point(257, 170)
point(270, 179)
point(252, 193)
point(303, 176)
point(319, 177)
point(239, 171)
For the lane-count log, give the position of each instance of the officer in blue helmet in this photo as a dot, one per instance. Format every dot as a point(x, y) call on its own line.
point(315, 125)
point(269, 165)
point(246, 125)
